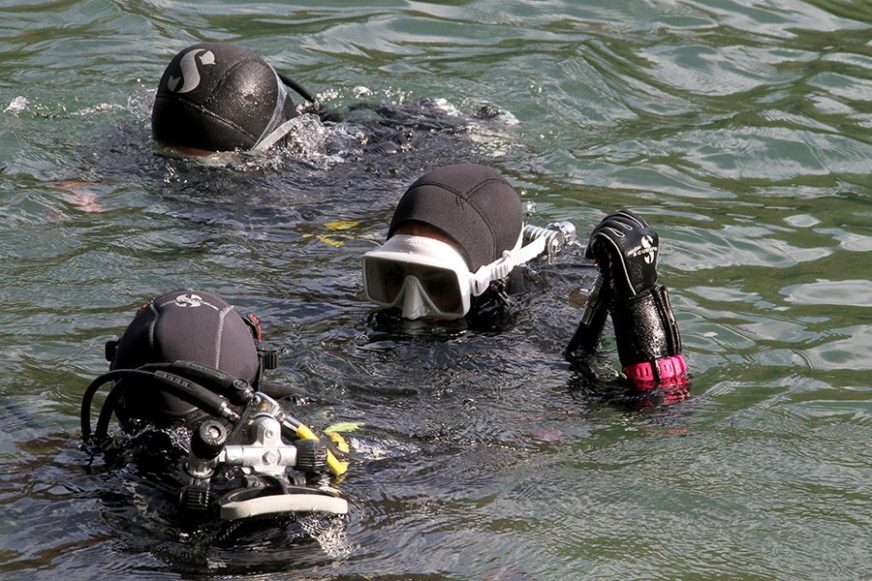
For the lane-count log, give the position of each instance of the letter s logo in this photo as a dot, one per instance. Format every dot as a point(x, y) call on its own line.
point(190, 300)
point(190, 73)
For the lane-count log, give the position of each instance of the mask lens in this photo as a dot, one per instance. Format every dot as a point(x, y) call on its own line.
point(442, 288)
point(385, 280)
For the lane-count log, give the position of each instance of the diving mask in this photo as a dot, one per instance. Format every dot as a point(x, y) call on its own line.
point(426, 277)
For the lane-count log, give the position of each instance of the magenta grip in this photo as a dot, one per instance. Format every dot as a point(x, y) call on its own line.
point(664, 372)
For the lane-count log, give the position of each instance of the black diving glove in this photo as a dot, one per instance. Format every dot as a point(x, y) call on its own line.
point(625, 248)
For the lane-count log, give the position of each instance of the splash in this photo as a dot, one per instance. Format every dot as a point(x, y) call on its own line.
point(17, 105)
point(329, 533)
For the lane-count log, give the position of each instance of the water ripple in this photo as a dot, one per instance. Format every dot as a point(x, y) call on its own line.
point(740, 130)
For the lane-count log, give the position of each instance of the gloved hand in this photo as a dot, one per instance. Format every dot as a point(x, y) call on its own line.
point(625, 248)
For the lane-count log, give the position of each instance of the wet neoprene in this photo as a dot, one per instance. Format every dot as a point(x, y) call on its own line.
point(645, 328)
point(470, 203)
point(221, 97)
point(625, 248)
point(183, 325)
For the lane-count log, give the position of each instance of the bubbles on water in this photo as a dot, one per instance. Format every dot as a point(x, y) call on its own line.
point(446, 107)
point(327, 95)
point(329, 533)
point(17, 105)
point(99, 108)
point(139, 104)
point(322, 145)
point(381, 449)
point(361, 91)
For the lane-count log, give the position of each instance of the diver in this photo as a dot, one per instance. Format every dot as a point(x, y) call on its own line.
point(456, 245)
point(453, 245)
point(187, 384)
point(219, 97)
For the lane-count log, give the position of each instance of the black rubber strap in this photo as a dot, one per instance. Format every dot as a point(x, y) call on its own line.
point(297, 87)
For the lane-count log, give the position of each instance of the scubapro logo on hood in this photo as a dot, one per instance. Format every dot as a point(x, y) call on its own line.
point(190, 300)
point(190, 77)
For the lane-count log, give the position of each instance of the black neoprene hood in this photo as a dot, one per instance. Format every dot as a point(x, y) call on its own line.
point(187, 325)
point(471, 203)
point(216, 97)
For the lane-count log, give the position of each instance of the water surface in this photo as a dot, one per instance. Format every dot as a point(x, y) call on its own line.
point(740, 130)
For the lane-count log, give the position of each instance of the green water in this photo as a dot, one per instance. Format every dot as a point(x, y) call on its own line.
point(741, 130)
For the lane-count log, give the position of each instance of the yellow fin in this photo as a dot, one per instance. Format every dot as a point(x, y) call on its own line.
point(337, 225)
point(344, 427)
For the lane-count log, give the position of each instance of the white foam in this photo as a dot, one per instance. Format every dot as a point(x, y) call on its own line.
point(17, 105)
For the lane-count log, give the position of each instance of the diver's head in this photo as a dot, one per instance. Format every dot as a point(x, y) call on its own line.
point(182, 325)
point(454, 231)
point(219, 97)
